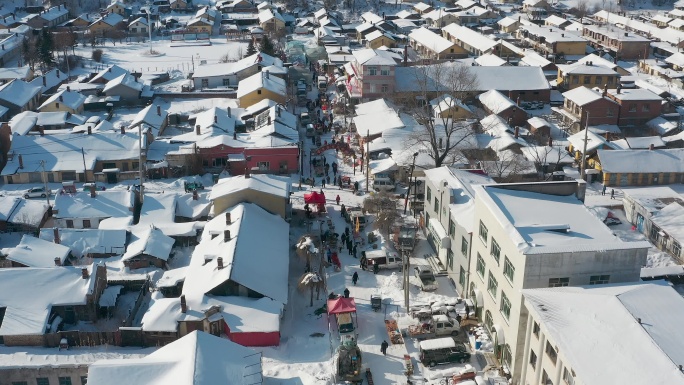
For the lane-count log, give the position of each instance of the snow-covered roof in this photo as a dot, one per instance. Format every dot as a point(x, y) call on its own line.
point(615, 33)
point(187, 207)
point(460, 182)
point(7, 205)
point(558, 224)
point(507, 21)
point(111, 19)
point(594, 141)
point(49, 80)
point(270, 184)
point(642, 161)
point(634, 94)
point(15, 72)
point(534, 59)
point(382, 165)
point(206, 360)
point(446, 102)
point(51, 13)
point(495, 101)
point(552, 34)
point(406, 13)
point(62, 152)
point(126, 80)
point(430, 40)
point(376, 117)
point(267, 15)
point(585, 69)
point(261, 80)
point(106, 204)
point(110, 73)
point(158, 209)
point(490, 60)
point(149, 241)
point(547, 155)
point(422, 7)
point(18, 92)
point(29, 213)
point(470, 37)
point(639, 143)
point(140, 20)
point(377, 34)
point(370, 56)
point(662, 126)
point(88, 241)
point(35, 252)
point(633, 326)
point(556, 21)
point(224, 69)
point(152, 116)
point(582, 95)
point(669, 220)
point(28, 295)
point(71, 99)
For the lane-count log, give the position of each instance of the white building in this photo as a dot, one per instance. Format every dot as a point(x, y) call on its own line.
point(535, 235)
point(605, 334)
point(450, 221)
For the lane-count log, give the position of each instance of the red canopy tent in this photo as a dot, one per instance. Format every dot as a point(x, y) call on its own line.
point(314, 197)
point(341, 305)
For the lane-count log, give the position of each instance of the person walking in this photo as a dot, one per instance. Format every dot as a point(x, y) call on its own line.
point(355, 278)
point(363, 261)
point(346, 293)
point(467, 311)
point(329, 256)
point(344, 238)
point(354, 250)
point(383, 347)
point(604, 190)
point(323, 182)
point(612, 193)
point(337, 199)
point(342, 210)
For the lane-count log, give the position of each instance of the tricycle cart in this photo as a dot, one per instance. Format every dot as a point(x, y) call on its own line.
point(393, 332)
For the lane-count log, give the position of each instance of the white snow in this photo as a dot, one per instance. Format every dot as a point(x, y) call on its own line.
point(35, 252)
point(266, 183)
point(106, 204)
point(642, 161)
point(150, 242)
point(88, 241)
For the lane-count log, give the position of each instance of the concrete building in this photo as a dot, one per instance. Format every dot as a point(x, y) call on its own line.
point(587, 74)
point(587, 107)
point(261, 86)
point(551, 40)
point(433, 46)
point(371, 74)
point(637, 105)
point(270, 192)
point(558, 243)
point(622, 44)
point(573, 333)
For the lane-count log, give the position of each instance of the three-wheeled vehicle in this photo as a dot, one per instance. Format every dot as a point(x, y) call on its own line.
point(192, 186)
point(376, 302)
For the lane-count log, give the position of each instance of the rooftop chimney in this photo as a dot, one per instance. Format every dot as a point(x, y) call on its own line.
point(517, 131)
point(550, 141)
point(90, 130)
point(234, 135)
point(58, 262)
point(215, 119)
point(159, 110)
point(228, 219)
point(21, 161)
point(605, 90)
point(269, 120)
point(619, 88)
point(93, 194)
point(278, 111)
point(61, 98)
point(68, 89)
point(57, 73)
point(109, 69)
point(226, 236)
point(55, 235)
point(44, 81)
point(651, 146)
point(184, 305)
point(195, 196)
point(219, 262)
point(228, 110)
point(84, 273)
point(267, 74)
point(197, 129)
point(123, 130)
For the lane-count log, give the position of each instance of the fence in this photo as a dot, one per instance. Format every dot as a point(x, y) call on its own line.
point(79, 338)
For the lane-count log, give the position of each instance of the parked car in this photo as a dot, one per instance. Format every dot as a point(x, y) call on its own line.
point(610, 221)
point(36, 192)
point(427, 278)
point(442, 351)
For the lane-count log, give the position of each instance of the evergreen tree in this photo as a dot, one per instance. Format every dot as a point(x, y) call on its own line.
point(267, 46)
point(45, 48)
point(251, 48)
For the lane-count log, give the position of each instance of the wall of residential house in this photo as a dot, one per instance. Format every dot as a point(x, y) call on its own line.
point(570, 48)
point(271, 203)
point(601, 111)
point(199, 28)
point(371, 85)
point(24, 340)
point(638, 111)
point(77, 373)
point(529, 95)
point(127, 94)
point(641, 179)
point(37, 177)
point(572, 81)
point(60, 107)
point(273, 25)
point(151, 338)
point(143, 261)
point(217, 81)
point(138, 29)
point(100, 28)
point(381, 41)
point(256, 96)
point(277, 160)
point(454, 112)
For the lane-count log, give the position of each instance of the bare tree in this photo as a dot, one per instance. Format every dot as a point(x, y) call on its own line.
point(581, 9)
point(64, 41)
point(385, 207)
point(441, 131)
point(507, 166)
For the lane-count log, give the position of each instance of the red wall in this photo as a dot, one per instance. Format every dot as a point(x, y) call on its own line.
point(272, 155)
point(256, 339)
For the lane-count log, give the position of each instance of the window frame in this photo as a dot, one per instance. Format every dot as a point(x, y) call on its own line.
point(497, 254)
point(600, 279)
point(533, 359)
point(559, 282)
point(508, 267)
point(486, 232)
point(492, 285)
point(480, 266)
point(464, 246)
point(505, 307)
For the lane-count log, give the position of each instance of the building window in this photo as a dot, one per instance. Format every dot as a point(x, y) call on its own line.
point(496, 251)
point(551, 352)
point(258, 92)
point(559, 282)
point(263, 166)
point(598, 80)
point(567, 377)
point(226, 82)
point(372, 71)
point(461, 276)
point(205, 83)
point(632, 107)
point(483, 232)
point(509, 270)
point(545, 380)
point(70, 223)
point(609, 113)
point(429, 194)
point(488, 321)
point(505, 307)
point(384, 88)
point(64, 380)
point(86, 223)
point(586, 79)
point(609, 80)
point(646, 108)
point(452, 228)
point(19, 383)
point(654, 233)
point(535, 329)
point(492, 286)
point(436, 205)
point(676, 249)
point(42, 381)
point(450, 260)
point(84, 380)
point(464, 247)
point(480, 266)
point(599, 279)
point(575, 80)
point(134, 30)
point(533, 359)
point(384, 71)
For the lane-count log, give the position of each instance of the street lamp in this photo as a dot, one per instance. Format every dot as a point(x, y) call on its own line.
point(149, 26)
point(413, 166)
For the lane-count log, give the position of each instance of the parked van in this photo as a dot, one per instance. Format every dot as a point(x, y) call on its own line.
point(383, 184)
point(442, 351)
point(322, 83)
point(385, 259)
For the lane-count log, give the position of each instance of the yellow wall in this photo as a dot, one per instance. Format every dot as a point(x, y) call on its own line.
point(379, 42)
point(455, 112)
point(572, 48)
point(592, 81)
point(100, 27)
point(254, 97)
point(52, 107)
point(199, 28)
point(271, 203)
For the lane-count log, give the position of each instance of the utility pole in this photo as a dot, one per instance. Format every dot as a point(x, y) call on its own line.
point(367, 157)
point(407, 267)
point(301, 163)
point(85, 171)
point(140, 162)
point(47, 190)
point(583, 166)
point(408, 193)
point(149, 28)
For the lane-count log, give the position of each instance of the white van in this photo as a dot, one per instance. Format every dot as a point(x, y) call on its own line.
point(383, 184)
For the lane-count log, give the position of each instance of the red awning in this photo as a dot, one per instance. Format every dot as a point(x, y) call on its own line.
point(341, 305)
point(314, 197)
